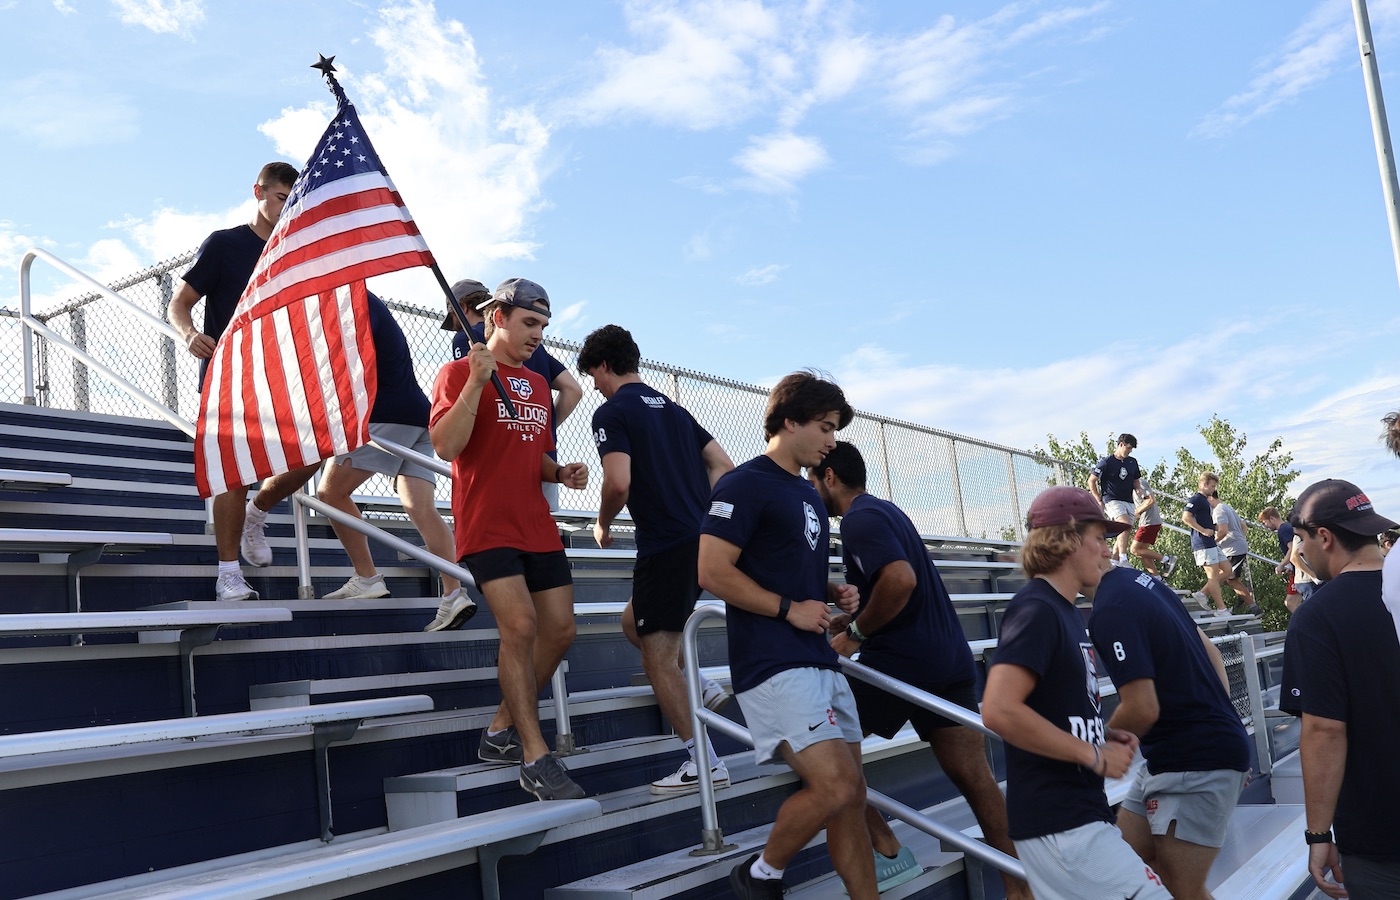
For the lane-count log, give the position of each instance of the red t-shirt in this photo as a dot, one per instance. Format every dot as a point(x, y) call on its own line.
point(496, 497)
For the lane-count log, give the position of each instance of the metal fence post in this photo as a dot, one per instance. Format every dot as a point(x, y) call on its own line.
point(885, 456)
point(167, 348)
point(80, 371)
point(1015, 496)
point(957, 488)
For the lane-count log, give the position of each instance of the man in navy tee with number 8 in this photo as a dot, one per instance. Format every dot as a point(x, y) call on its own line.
point(1042, 697)
point(764, 551)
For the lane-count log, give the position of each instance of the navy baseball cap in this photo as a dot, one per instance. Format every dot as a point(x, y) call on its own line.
point(521, 292)
point(1341, 504)
point(1063, 505)
point(465, 291)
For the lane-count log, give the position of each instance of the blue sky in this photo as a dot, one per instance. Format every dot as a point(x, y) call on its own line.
point(1000, 220)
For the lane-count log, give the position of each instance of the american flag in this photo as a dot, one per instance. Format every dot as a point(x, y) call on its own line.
point(292, 378)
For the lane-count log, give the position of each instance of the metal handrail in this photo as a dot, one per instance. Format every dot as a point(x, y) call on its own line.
point(712, 837)
point(29, 324)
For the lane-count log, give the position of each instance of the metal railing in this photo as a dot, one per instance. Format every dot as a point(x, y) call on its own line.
point(948, 483)
point(1246, 695)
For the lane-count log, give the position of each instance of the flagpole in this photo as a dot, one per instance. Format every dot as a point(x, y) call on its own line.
point(1384, 154)
point(323, 65)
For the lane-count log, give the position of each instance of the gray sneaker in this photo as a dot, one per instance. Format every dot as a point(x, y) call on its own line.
point(500, 748)
point(233, 587)
point(547, 779)
point(1168, 566)
point(453, 612)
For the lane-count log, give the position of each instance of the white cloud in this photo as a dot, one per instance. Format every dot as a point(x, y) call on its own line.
point(775, 163)
point(162, 16)
point(759, 275)
point(64, 7)
point(1337, 436)
point(60, 110)
point(1315, 50)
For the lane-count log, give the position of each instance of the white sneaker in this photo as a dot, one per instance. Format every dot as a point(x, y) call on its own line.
point(1203, 601)
point(360, 588)
point(713, 695)
point(1220, 613)
point(231, 586)
point(686, 779)
point(454, 610)
point(253, 543)
point(1168, 566)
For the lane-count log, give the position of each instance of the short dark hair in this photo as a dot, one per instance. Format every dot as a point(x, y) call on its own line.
point(845, 460)
point(802, 397)
point(277, 173)
point(1128, 439)
point(1390, 536)
point(1350, 540)
point(1392, 432)
point(611, 344)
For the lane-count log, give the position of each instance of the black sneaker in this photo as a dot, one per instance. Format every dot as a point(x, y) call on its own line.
point(501, 748)
point(747, 887)
point(547, 779)
point(1254, 610)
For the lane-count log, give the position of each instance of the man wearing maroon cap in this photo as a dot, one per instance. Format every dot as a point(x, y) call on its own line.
point(1341, 670)
point(1042, 697)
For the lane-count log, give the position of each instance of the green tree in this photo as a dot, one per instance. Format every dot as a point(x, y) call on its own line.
point(1247, 484)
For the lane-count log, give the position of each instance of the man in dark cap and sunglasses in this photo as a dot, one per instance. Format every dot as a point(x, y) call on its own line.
point(1341, 671)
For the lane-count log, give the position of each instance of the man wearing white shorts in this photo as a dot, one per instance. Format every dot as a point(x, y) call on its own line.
point(399, 414)
point(1197, 517)
point(1042, 697)
point(764, 547)
point(1173, 694)
point(1113, 482)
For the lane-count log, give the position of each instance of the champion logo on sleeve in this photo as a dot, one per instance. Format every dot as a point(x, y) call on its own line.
point(721, 509)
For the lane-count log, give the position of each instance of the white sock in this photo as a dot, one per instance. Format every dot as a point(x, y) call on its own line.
point(229, 567)
point(764, 872)
point(252, 514)
point(690, 748)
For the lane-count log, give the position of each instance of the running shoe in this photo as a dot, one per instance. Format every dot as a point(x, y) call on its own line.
point(453, 612)
point(1220, 613)
point(1203, 601)
point(1168, 566)
point(1254, 610)
point(547, 779)
point(501, 748)
point(890, 873)
point(747, 887)
point(231, 586)
point(686, 779)
point(360, 588)
point(713, 695)
point(253, 543)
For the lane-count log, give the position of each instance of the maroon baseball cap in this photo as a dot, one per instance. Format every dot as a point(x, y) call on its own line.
point(1339, 504)
point(1065, 505)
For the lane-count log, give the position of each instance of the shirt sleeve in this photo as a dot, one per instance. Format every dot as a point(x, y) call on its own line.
point(1098, 467)
point(1028, 637)
point(734, 512)
point(870, 542)
point(1123, 642)
point(610, 432)
point(447, 387)
point(203, 275)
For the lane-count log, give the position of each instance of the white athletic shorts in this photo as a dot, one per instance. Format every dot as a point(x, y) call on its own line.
point(1118, 509)
point(372, 459)
point(1199, 802)
point(1210, 556)
point(1091, 862)
point(801, 706)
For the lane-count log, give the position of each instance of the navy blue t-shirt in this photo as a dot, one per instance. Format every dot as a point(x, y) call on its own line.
point(1116, 477)
point(1199, 507)
point(1341, 661)
point(1141, 630)
point(1285, 539)
point(398, 399)
point(670, 487)
point(923, 645)
point(540, 361)
point(221, 269)
point(780, 524)
point(1044, 633)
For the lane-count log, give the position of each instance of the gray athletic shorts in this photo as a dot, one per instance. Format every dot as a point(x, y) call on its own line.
point(372, 459)
point(1209, 556)
point(1091, 862)
point(801, 706)
point(1199, 802)
point(1118, 509)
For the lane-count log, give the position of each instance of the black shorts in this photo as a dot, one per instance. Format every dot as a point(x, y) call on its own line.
point(884, 714)
point(542, 571)
point(1238, 564)
point(665, 587)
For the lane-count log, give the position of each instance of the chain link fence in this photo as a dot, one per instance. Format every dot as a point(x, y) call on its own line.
point(948, 484)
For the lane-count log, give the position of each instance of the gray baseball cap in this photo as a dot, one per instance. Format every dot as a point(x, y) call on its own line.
point(521, 292)
point(465, 291)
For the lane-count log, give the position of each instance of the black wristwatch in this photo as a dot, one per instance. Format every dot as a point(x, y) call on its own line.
point(854, 634)
point(784, 604)
point(1317, 837)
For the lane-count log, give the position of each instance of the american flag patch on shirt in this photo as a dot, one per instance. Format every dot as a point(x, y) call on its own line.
point(721, 509)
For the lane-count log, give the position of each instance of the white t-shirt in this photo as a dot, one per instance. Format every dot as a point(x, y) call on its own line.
point(1298, 573)
point(1234, 543)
